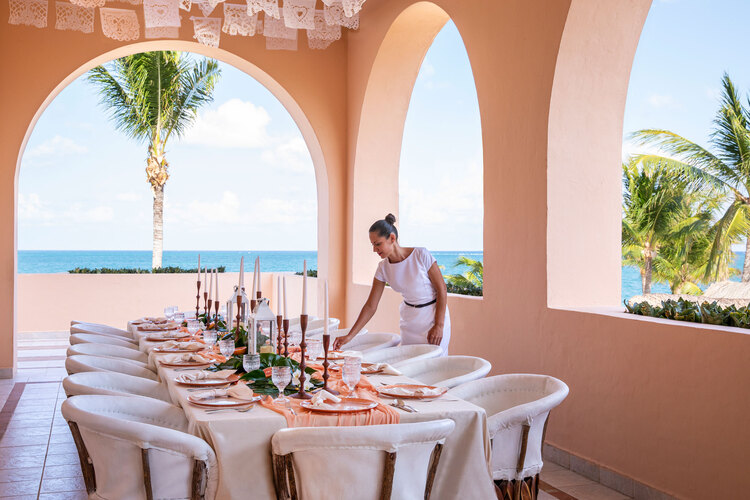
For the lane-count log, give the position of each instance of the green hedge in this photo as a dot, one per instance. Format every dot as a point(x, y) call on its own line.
point(685, 310)
point(311, 273)
point(464, 290)
point(135, 270)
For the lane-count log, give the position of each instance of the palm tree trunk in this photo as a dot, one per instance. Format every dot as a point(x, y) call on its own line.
point(746, 265)
point(646, 276)
point(158, 226)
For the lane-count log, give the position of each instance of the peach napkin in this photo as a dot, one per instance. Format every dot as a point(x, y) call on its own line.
point(173, 344)
point(239, 391)
point(185, 358)
point(408, 391)
point(204, 375)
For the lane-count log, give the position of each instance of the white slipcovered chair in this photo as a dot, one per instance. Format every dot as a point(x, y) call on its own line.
point(139, 451)
point(114, 384)
point(518, 407)
point(108, 350)
point(369, 342)
point(90, 338)
point(85, 363)
point(402, 354)
point(98, 329)
point(448, 371)
point(367, 462)
point(315, 327)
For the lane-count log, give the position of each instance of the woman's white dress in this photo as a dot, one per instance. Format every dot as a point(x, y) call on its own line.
point(409, 277)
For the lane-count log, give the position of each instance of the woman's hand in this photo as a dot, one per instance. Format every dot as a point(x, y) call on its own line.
point(435, 335)
point(339, 342)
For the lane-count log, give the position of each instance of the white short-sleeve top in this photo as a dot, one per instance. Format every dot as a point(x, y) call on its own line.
point(409, 277)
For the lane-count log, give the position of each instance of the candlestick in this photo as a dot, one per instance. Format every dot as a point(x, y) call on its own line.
point(304, 287)
point(285, 314)
point(239, 318)
point(205, 302)
point(303, 364)
point(326, 344)
point(325, 305)
point(210, 284)
point(285, 324)
point(216, 314)
point(260, 280)
point(198, 296)
point(199, 267)
point(208, 312)
point(279, 321)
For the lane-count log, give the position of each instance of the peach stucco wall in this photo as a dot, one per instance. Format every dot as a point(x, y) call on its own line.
point(663, 403)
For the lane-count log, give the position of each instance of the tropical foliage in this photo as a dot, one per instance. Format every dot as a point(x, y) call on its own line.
point(137, 270)
point(260, 380)
point(151, 97)
point(470, 282)
point(684, 310)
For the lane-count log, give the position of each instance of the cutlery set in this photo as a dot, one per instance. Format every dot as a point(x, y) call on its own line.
point(239, 410)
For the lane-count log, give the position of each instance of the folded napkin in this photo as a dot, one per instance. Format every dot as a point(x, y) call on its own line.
point(172, 344)
point(384, 368)
point(407, 391)
point(239, 391)
point(204, 375)
point(344, 354)
point(170, 335)
point(320, 398)
point(187, 357)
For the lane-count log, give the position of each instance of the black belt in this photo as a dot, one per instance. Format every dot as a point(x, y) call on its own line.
point(421, 305)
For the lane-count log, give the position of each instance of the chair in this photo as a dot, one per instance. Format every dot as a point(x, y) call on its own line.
point(518, 407)
point(108, 350)
point(448, 371)
point(401, 354)
point(374, 461)
point(84, 363)
point(90, 338)
point(139, 451)
point(368, 342)
point(114, 384)
point(315, 326)
point(102, 330)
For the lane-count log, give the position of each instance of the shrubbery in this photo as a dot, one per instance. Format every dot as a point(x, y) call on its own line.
point(136, 270)
point(685, 310)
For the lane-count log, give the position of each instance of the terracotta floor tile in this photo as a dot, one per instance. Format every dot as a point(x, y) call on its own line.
point(57, 448)
point(22, 474)
point(13, 462)
point(61, 437)
point(23, 440)
point(29, 431)
point(19, 488)
point(67, 495)
point(550, 466)
point(52, 485)
point(543, 495)
point(593, 492)
point(561, 478)
point(68, 470)
point(64, 459)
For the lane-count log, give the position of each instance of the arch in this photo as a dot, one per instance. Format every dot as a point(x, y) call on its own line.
point(379, 135)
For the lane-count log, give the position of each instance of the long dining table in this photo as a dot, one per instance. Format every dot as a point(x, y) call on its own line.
point(242, 440)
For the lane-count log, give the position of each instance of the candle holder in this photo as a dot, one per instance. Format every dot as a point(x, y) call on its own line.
point(326, 342)
point(279, 321)
point(302, 365)
point(253, 304)
point(239, 319)
point(216, 314)
point(285, 323)
point(208, 312)
point(205, 305)
point(198, 299)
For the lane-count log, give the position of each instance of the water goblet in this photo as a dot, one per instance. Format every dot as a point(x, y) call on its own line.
point(209, 337)
point(226, 347)
point(193, 326)
point(351, 374)
point(169, 312)
point(251, 362)
point(179, 317)
point(281, 376)
point(314, 349)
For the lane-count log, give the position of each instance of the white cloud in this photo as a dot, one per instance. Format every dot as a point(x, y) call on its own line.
point(128, 197)
point(427, 69)
point(290, 155)
point(663, 101)
point(713, 93)
point(33, 209)
point(234, 124)
point(57, 146)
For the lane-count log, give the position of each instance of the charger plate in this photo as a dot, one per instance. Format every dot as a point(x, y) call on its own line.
point(387, 390)
point(177, 350)
point(185, 363)
point(210, 382)
point(347, 405)
point(221, 402)
point(367, 369)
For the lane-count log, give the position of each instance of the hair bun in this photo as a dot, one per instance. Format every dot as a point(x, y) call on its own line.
point(390, 219)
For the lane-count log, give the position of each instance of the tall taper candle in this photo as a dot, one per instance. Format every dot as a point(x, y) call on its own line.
point(210, 282)
point(242, 273)
point(199, 267)
point(304, 287)
point(254, 341)
point(205, 277)
point(216, 285)
point(257, 270)
point(325, 325)
point(255, 279)
point(286, 314)
point(278, 296)
point(228, 319)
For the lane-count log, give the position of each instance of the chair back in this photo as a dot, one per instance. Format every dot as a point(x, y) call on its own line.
point(109, 350)
point(86, 363)
point(517, 407)
point(139, 451)
point(402, 354)
point(90, 338)
point(448, 371)
point(384, 461)
point(368, 342)
point(114, 384)
point(316, 327)
point(102, 330)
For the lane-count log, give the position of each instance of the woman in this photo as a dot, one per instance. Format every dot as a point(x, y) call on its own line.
point(414, 273)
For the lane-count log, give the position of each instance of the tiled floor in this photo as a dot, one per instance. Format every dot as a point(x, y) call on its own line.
point(38, 459)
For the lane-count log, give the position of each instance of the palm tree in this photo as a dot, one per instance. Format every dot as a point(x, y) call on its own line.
point(652, 202)
point(726, 171)
point(473, 278)
point(151, 96)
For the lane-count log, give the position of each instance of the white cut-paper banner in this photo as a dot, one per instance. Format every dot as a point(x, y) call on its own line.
point(207, 30)
point(281, 44)
point(186, 4)
point(275, 28)
point(73, 17)
point(162, 32)
point(28, 12)
point(299, 14)
point(323, 31)
point(318, 43)
point(88, 3)
point(237, 22)
point(205, 6)
point(161, 13)
point(334, 14)
point(351, 7)
point(120, 24)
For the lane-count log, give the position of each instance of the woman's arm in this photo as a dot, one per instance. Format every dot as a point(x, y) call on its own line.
point(435, 335)
point(367, 312)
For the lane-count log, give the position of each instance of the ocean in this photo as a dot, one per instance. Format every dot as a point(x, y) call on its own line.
point(61, 261)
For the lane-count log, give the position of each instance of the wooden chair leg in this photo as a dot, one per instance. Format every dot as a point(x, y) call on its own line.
point(432, 470)
point(198, 487)
point(524, 444)
point(87, 468)
point(290, 476)
point(146, 474)
point(388, 471)
point(279, 477)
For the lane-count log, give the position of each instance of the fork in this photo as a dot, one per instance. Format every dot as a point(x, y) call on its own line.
point(401, 404)
point(240, 410)
point(289, 407)
point(195, 389)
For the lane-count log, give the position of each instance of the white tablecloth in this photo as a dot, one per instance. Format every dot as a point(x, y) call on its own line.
point(242, 442)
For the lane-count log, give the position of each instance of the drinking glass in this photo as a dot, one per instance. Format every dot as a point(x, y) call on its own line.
point(281, 376)
point(350, 374)
point(209, 337)
point(169, 312)
point(179, 317)
point(226, 347)
point(314, 349)
point(295, 337)
point(251, 362)
point(193, 326)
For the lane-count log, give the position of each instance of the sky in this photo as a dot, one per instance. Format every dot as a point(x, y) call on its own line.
point(242, 178)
